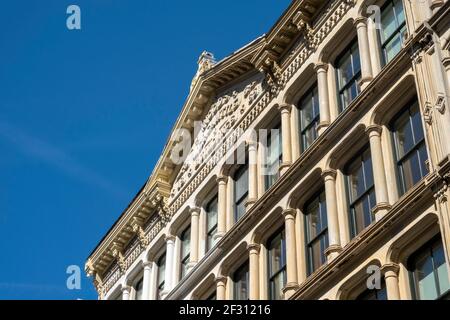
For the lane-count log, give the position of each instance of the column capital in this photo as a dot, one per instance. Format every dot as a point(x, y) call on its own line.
point(169, 238)
point(125, 288)
point(321, 67)
point(360, 21)
point(284, 107)
point(222, 179)
point(147, 264)
point(254, 247)
point(251, 143)
point(390, 269)
point(329, 174)
point(221, 280)
point(289, 213)
point(374, 129)
point(194, 211)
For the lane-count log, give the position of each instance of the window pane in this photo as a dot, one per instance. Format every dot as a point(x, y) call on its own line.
point(403, 135)
point(356, 61)
point(241, 283)
point(388, 23)
point(416, 124)
point(139, 289)
point(185, 242)
point(276, 262)
point(393, 46)
point(307, 111)
point(345, 70)
point(241, 182)
point(441, 268)
point(276, 286)
point(212, 214)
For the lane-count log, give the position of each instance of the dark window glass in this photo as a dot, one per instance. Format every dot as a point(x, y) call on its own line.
point(309, 117)
point(361, 191)
point(161, 274)
point(274, 156)
point(393, 28)
point(185, 250)
point(211, 222)
point(316, 231)
point(213, 296)
point(374, 294)
point(276, 247)
point(139, 289)
point(428, 270)
point(240, 191)
point(241, 283)
point(410, 150)
point(348, 73)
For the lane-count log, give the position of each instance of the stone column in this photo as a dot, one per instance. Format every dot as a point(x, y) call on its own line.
point(147, 280)
point(126, 292)
point(324, 102)
point(195, 232)
point(253, 250)
point(291, 252)
point(334, 248)
point(252, 174)
point(364, 51)
point(221, 291)
point(390, 272)
point(285, 110)
point(222, 208)
point(170, 251)
point(379, 172)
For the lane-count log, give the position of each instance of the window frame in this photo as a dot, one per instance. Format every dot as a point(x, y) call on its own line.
point(184, 260)
point(161, 282)
point(243, 268)
point(323, 233)
point(283, 270)
point(356, 77)
point(210, 232)
point(240, 172)
point(314, 123)
point(271, 179)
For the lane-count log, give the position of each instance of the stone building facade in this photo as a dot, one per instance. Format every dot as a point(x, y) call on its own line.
point(313, 163)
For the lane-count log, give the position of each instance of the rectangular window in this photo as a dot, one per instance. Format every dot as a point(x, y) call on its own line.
point(276, 247)
point(185, 251)
point(348, 75)
point(139, 288)
point(309, 117)
point(240, 191)
point(428, 270)
point(393, 29)
point(274, 156)
point(410, 150)
point(211, 222)
point(316, 224)
point(241, 283)
point(161, 274)
point(361, 191)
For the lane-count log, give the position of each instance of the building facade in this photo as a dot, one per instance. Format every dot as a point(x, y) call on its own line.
point(313, 163)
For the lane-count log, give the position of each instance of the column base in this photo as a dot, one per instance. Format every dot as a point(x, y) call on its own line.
point(289, 289)
point(380, 210)
point(284, 167)
point(364, 82)
point(332, 252)
point(323, 125)
point(249, 204)
point(191, 265)
point(218, 236)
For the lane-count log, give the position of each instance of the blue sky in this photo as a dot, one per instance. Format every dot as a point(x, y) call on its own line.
point(84, 115)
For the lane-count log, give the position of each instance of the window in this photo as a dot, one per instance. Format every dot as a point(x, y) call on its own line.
point(316, 225)
point(139, 289)
point(361, 191)
point(161, 274)
point(241, 283)
point(240, 191)
point(276, 247)
point(185, 238)
point(211, 222)
point(393, 28)
point(274, 156)
point(348, 73)
point(212, 296)
point(309, 118)
point(374, 294)
point(410, 150)
point(428, 272)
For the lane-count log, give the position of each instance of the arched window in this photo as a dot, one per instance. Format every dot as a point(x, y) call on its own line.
point(428, 272)
point(276, 250)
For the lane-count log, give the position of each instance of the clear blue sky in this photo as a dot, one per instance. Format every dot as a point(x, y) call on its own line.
point(85, 114)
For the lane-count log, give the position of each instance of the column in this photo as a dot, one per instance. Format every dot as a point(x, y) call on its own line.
point(170, 250)
point(252, 173)
point(222, 208)
point(154, 282)
point(147, 280)
point(221, 291)
point(324, 102)
point(291, 252)
point(390, 272)
point(195, 230)
point(254, 271)
point(334, 248)
point(126, 292)
point(285, 110)
point(379, 172)
point(364, 51)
